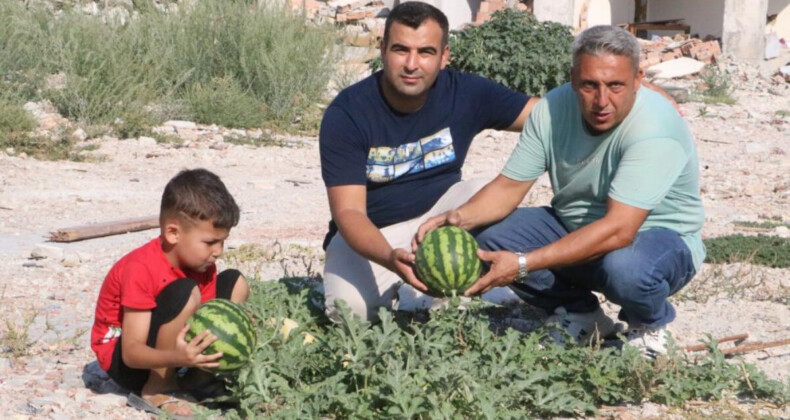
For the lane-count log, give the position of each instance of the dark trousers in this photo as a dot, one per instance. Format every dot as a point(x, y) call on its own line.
point(169, 303)
point(639, 277)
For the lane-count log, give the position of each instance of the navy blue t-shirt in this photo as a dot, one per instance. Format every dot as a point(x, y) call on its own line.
point(408, 161)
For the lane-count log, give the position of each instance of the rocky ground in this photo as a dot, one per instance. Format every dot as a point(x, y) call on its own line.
point(46, 305)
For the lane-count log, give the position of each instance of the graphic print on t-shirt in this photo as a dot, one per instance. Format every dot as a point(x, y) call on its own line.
point(388, 163)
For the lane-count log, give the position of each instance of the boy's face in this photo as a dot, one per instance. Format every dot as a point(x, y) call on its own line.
point(196, 245)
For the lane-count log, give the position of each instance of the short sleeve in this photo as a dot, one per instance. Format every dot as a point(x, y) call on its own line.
point(137, 287)
point(529, 159)
point(646, 172)
point(343, 149)
point(499, 106)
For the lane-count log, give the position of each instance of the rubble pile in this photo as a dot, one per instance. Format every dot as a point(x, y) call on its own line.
point(666, 49)
point(362, 21)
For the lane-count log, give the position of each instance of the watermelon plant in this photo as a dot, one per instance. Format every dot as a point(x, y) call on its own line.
point(457, 365)
point(446, 261)
point(236, 336)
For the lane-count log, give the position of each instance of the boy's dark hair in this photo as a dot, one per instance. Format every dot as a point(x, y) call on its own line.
point(413, 14)
point(198, 194)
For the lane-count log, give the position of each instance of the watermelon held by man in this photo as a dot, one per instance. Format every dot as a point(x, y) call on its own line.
point(235, 333)
point(446, 261)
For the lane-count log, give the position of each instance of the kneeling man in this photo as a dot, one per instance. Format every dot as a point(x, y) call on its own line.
point(626, 214)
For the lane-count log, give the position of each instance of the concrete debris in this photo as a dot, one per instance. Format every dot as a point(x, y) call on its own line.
point(678, 67)
point(666, 49)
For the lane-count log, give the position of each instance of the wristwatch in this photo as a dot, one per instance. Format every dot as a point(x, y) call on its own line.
point(522, 266)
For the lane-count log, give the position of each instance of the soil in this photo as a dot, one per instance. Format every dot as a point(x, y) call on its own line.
point(744, 165)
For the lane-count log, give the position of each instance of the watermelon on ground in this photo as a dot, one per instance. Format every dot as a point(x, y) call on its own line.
point(447, 262)
point(235, 332)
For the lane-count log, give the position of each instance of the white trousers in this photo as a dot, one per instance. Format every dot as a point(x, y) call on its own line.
point(366, 286)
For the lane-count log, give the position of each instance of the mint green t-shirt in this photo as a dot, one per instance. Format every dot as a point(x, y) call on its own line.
point(649, 161)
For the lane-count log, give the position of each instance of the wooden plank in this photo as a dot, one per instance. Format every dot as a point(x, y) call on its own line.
point(117, 227)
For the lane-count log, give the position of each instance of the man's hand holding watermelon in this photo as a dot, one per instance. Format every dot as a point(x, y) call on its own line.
point(401, 262)
point(503, 265)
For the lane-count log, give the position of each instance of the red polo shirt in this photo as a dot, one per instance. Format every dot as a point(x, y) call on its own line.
point(134, 282)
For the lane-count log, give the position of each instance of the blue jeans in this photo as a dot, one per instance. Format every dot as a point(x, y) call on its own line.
point(639, 277)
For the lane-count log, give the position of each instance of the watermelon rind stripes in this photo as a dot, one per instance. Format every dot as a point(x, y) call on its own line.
point(235, 332)
point(447, 262)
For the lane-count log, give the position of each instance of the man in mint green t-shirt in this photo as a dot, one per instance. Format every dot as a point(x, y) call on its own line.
point(626, 215)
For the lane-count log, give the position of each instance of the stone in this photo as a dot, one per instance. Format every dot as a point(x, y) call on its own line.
point(71, 259)
point(187, 135)
point(6, 365)
point(650, 410)
point(782, 231)
point(236, 132)
point(47, 251)
point(179, 125)
point(91, 8)
point(79, 134)
point(164, 130)
point(144, 141)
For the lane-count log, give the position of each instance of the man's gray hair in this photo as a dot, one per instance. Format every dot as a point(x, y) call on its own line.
point(605, 39)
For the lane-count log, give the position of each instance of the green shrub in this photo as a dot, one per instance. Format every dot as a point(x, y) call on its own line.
point(222, 101)
point(516, 50)
point(771, 251)
point(275, 58)
point(453, 365)
point(14, 120)
point(133, 123)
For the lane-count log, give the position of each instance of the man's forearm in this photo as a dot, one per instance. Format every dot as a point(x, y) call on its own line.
point(579, 246)
point(493, 203)
point(364, 237)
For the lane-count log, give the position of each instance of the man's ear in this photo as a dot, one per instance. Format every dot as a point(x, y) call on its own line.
point(640, 74)
point(445, 56)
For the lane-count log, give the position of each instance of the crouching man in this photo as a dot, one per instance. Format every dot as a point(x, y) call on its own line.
point(626, 214)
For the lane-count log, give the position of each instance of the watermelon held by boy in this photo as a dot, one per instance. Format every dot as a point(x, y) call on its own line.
point(235, 332)
point(447, 262)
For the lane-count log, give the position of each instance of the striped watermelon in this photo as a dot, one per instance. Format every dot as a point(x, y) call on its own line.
point(235, 333)
point(447, 261)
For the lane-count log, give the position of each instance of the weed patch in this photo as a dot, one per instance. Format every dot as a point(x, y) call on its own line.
point(15, 340)
point(763, 224)
point(716, 87)
point(454, 366)
point(770, 251)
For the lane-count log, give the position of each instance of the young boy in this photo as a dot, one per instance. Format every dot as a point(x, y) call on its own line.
point(149, 294)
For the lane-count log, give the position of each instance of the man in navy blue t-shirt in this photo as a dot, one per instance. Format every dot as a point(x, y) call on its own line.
point(392, 147)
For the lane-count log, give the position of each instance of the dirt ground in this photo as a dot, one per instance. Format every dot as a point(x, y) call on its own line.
point(744, 167)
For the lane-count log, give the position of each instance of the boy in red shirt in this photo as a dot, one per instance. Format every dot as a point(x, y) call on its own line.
point(149, 295)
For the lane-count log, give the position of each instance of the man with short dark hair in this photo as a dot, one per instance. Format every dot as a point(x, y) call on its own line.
point(392, 147)
point(626, 215)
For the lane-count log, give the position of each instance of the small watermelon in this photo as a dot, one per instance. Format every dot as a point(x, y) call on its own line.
point(447, 261)
point(235, 332)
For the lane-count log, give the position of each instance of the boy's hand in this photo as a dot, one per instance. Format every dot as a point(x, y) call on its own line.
point(192, 352)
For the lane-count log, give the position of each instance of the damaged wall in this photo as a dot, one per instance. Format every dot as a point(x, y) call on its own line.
point(704, 16)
